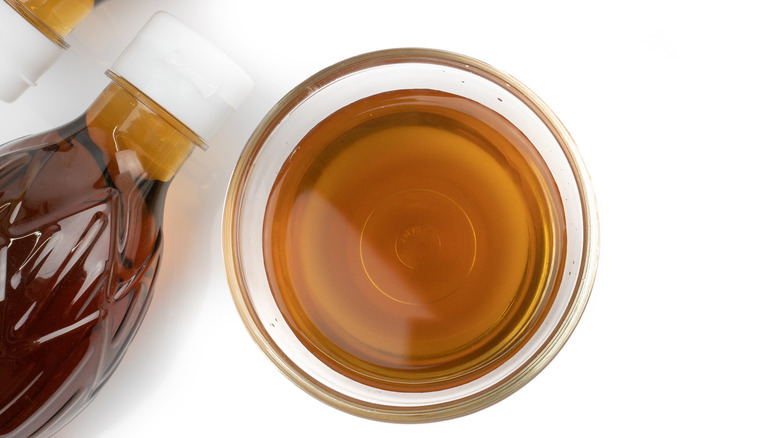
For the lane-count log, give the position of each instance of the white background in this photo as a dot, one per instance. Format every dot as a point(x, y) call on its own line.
point(675, 107)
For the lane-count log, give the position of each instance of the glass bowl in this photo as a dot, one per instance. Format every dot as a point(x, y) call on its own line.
point(278, 137)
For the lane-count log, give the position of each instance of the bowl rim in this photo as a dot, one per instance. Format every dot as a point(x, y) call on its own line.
point(474, 402)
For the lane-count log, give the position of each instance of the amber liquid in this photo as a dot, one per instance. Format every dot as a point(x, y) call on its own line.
point(80, 241)
point(413, 240)
point(60, 15)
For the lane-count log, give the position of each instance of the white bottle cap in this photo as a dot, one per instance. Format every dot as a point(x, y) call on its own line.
point(185, 74)
point(25, 53)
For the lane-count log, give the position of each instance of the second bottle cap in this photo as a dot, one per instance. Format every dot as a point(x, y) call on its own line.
point(185, 74)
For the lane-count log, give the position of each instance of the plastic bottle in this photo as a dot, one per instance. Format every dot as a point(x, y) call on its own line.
point(32, 36)
point(80, 221)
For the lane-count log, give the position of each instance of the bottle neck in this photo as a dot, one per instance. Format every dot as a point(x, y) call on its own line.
point(136, 134)
point(53, 16)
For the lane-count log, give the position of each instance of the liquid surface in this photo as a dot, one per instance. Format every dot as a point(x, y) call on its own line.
point(412, 240)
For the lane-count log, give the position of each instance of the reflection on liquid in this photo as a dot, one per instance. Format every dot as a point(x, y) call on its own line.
point(408, 242)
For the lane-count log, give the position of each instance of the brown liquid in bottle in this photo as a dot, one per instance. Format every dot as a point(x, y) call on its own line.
point(80, 221)
point(413, 240)
point(61, 16)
